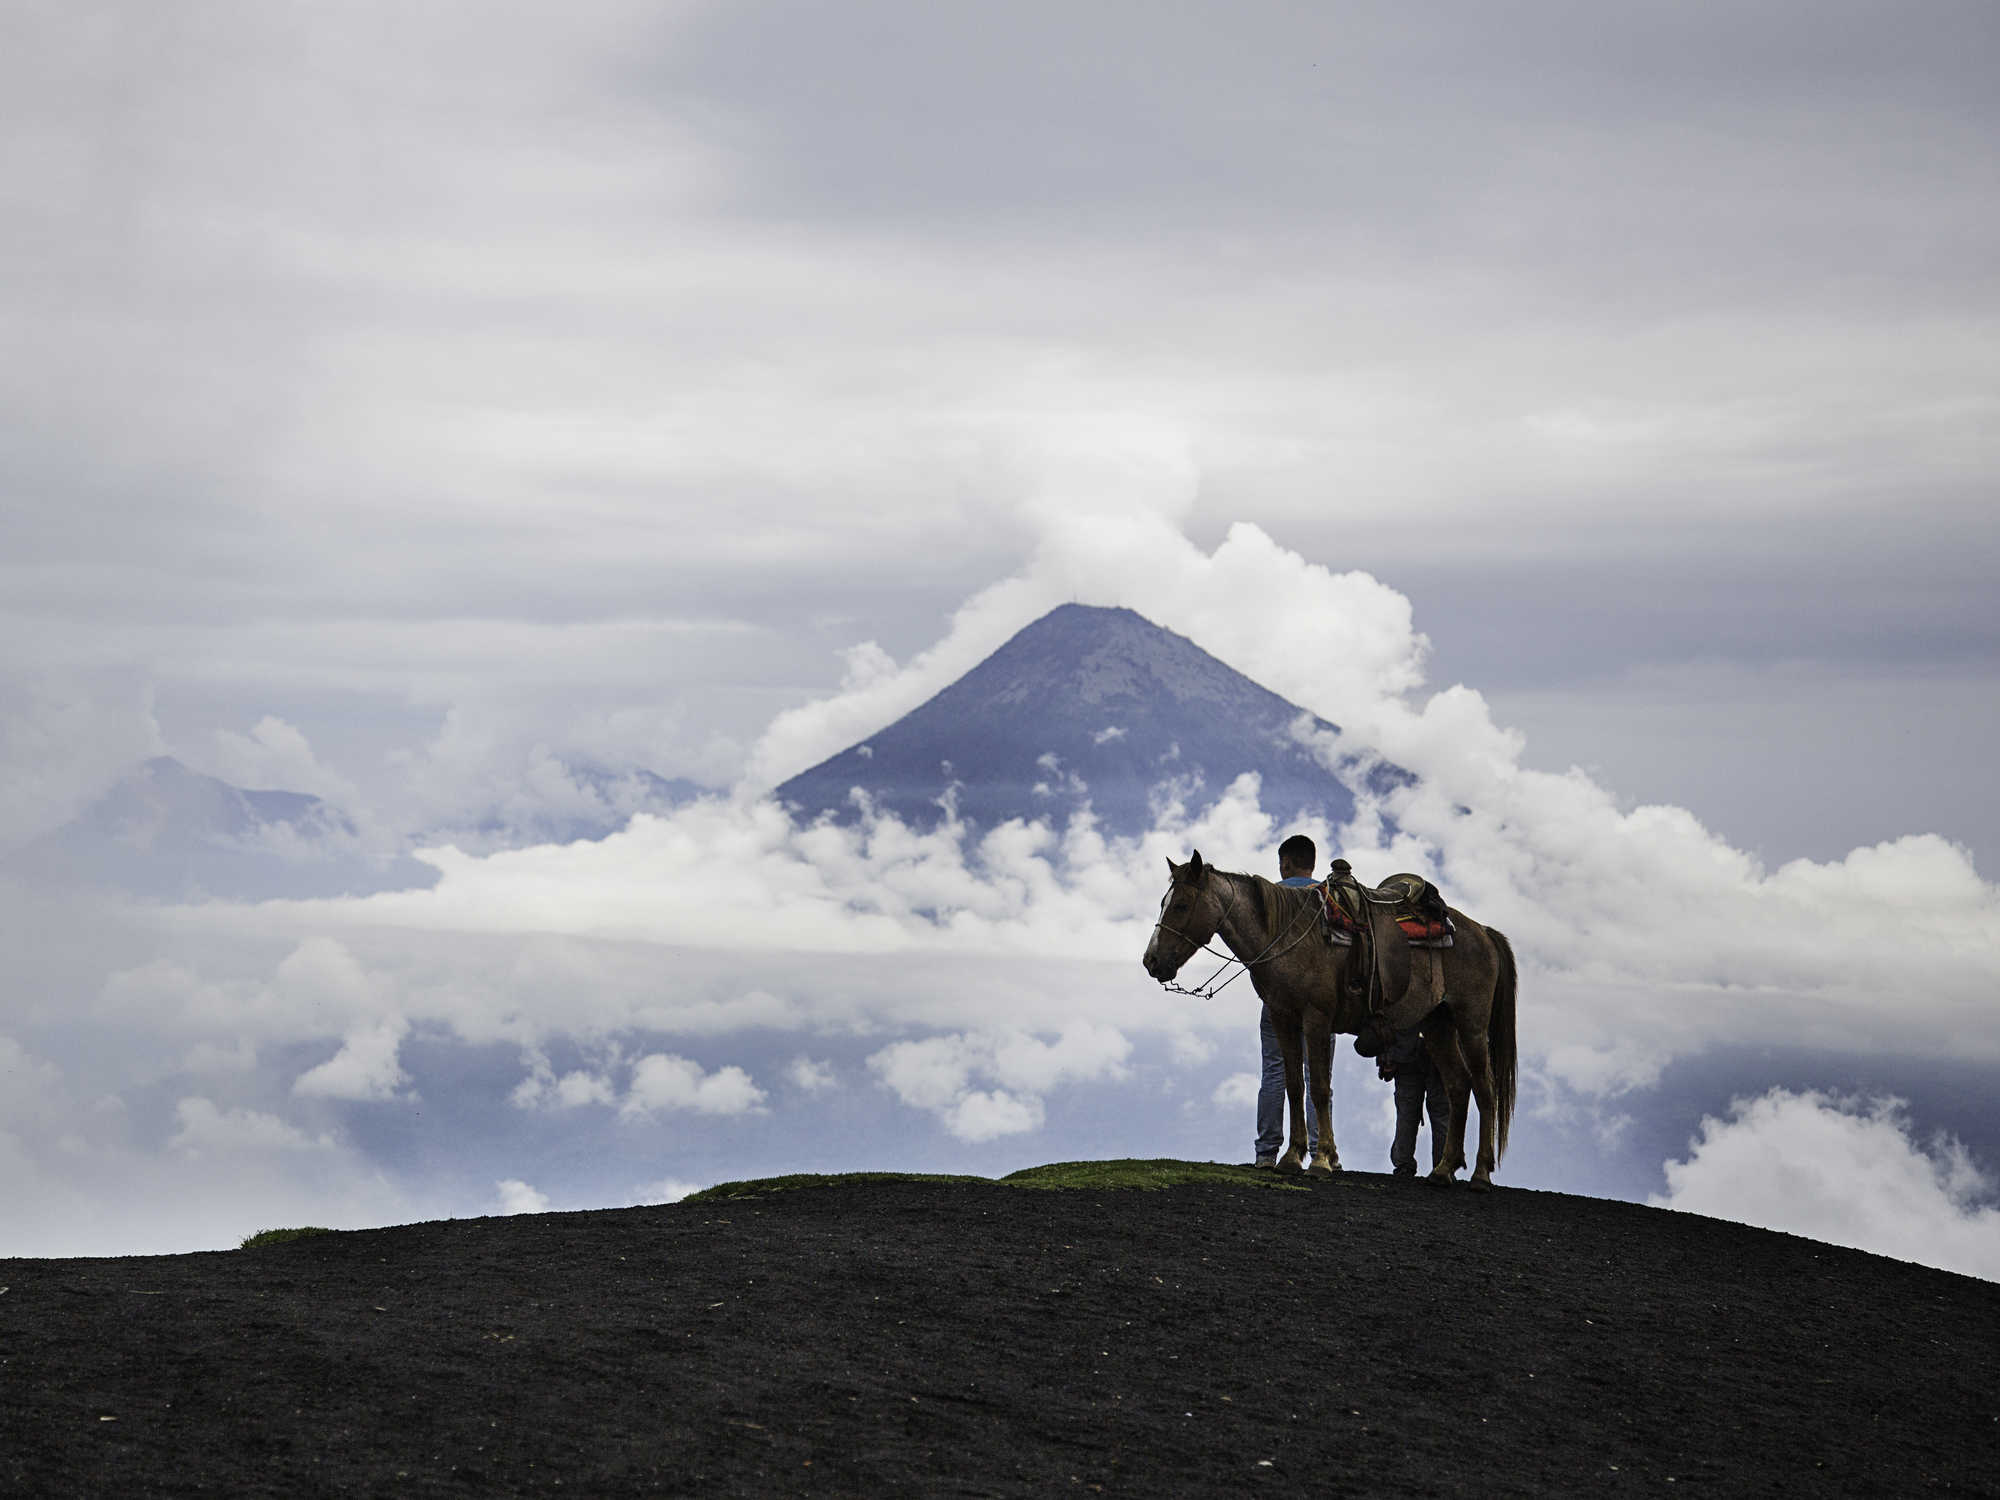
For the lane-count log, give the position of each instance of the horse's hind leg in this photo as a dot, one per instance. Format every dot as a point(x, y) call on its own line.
point(1480, 1064)
point(1447, 1059)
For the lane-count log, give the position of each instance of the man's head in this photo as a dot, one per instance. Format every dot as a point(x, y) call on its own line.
point(1296, 856)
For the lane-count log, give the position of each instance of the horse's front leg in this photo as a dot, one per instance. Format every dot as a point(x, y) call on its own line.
point(1289, 1042)
point(1319, 1057)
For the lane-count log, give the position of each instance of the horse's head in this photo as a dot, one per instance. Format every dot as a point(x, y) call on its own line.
point(1190, 912)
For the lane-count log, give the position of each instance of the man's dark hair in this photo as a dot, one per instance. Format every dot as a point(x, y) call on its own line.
point(1298, 850)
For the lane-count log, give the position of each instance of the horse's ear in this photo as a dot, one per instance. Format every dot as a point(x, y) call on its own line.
point(1173, 870)
point(1194, 862)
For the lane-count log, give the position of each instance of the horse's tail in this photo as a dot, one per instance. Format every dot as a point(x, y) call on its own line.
point(1500, 1046)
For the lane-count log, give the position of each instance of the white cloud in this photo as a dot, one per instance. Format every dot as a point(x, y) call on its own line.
point(322, 976)
point(811, 1077)
point(1847, 1171)
point(578, 1087)
point(365, 1067)
point(937, 1073)
point(542, 1089)
point(984, 1115)
point(666, 1190)
point(275, 754)
point(1237, 1091)
point(929, 1074)
point(517, 1197)
point(209, 1130)
point(662, 1081)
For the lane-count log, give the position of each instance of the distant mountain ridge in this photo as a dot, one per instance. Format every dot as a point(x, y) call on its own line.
point(172, 833)
point(168, 832)
point(1087, 705)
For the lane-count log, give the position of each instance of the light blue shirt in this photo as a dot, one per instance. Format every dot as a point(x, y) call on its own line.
point(1298, 880)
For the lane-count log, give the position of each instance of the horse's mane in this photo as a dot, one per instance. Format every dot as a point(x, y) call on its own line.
point(1278, 905)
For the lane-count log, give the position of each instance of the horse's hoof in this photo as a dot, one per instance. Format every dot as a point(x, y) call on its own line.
point(1324, 1168)
point(1440, 1179)
point(1479, 1184)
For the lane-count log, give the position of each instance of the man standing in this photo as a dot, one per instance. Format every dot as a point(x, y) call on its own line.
point(1419, 1088)
point(1296, 858)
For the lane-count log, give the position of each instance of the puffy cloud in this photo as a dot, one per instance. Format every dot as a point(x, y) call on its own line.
point(937, 1073)
point(578, 1088)
point(365, 1067)
point(209, 1130)
point(275, 754)
point(810, 1077)
point(930, 1074)
point(662, 1081)
point(1237, 1091)
point(1848, 1171)
point(517, 1197)
point(666, 1190)
point(543, 1089)
point(986, 1114)
point(322, 976)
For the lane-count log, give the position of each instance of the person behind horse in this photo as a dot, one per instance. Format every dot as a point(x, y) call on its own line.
point(1419, 1087)
point(1296, 858)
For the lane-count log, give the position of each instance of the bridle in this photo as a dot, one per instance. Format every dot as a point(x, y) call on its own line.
point(1208, 989)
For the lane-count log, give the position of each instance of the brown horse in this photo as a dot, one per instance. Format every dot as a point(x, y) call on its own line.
point(1274, 931)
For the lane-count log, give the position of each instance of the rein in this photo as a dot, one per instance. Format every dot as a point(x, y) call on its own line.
point(1208, 989)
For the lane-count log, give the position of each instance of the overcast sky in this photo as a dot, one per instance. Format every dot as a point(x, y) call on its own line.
point(397, 391)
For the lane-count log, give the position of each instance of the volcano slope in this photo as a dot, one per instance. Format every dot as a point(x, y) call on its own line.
point(1346, 1336)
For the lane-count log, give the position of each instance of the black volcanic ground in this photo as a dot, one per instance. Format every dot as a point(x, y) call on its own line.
point(1362, 1337)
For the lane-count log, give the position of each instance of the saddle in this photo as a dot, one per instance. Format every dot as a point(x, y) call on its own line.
point(1413, 904)
point(1381, 975)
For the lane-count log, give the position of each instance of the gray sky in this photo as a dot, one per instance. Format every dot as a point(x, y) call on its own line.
point(627, 364)
point(396, 389)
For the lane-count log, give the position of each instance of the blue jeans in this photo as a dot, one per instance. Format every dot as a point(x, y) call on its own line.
point(1271, 1106)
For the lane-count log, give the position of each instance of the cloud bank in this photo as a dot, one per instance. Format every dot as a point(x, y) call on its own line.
point(1644, 937)
point(1848, 1171)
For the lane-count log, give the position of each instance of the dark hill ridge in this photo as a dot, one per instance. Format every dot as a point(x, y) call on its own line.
point(1359, 1337)
point(1085, 704)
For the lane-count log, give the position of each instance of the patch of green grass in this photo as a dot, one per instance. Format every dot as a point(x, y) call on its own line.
point(1148, 1176)
point(1102, 1175)
point(265, 1237)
